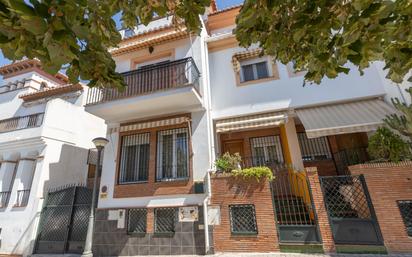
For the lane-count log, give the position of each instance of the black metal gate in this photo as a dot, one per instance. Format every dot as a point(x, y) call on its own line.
point(295, 216)
point(64, 220)
point(350, 210)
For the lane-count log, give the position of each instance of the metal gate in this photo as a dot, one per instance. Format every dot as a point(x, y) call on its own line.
point(350, 210)
point(63, 221)
point(295, 216)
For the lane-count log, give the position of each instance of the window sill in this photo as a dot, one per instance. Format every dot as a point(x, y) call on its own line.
point(132, 183)
point(256, 81)
point(244, 234)
point(137, 234)
point(186, 179)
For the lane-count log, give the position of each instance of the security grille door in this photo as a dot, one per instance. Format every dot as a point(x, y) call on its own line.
point(350, 210)
point(64, 221)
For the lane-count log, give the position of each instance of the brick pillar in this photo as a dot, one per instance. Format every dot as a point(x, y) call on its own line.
point(322, 214)
point(150, 221)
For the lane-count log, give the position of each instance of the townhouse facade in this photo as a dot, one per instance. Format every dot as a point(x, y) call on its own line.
point(191, 98)
point(45, 137)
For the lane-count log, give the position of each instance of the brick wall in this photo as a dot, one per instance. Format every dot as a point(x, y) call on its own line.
point(227, 190)
point(153, 187)
point(387, 183)
point(324, 167)
point(321, 212)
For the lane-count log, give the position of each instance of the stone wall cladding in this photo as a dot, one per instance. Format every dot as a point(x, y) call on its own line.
point(387, 183)
point(227, 190)
point(111, 241)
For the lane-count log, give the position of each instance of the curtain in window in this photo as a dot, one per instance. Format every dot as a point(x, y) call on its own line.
point(173, 154)
point(134, 158)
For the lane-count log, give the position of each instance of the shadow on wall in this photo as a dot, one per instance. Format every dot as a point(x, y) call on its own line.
point(70, 169)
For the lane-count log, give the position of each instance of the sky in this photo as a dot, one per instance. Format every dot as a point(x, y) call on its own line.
point(220, 4)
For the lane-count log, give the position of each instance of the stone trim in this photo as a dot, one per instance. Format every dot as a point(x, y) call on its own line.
point(381, 165)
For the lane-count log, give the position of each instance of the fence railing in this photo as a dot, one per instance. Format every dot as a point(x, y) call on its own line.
point(4, 198)
point(150, 79)
point(23, 122)
point(22, 198)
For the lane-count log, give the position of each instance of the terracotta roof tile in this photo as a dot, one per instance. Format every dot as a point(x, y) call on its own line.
point(51, 92)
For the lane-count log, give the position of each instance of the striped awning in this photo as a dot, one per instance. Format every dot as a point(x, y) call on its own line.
point(150, 124)
point(359, 116)
point(250, 122)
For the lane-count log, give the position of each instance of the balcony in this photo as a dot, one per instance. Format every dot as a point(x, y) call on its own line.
point(154, 89)
point(23, 122)
point(4, 198)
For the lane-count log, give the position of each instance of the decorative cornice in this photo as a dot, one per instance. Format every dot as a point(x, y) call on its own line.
point(29, 65)
point(48, 92)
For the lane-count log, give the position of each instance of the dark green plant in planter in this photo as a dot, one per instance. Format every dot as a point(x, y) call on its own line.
point(385, 145)
point(401, 122)
point(228, 162)
point(255, 172)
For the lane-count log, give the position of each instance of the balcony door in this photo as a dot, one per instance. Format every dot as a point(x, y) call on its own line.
point(154, 74)
point(233, 146)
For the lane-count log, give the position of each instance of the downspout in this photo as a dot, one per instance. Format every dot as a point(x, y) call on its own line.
point(205, 212)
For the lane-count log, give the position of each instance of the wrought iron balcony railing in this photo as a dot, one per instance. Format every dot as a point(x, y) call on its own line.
point(22, 198)
point(23, 122)
point(4, 199)
point(150, 79)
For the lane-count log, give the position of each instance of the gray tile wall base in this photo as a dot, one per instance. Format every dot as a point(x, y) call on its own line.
point(111, 241)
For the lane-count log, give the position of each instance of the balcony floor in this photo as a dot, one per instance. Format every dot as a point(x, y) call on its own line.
point(178, 100)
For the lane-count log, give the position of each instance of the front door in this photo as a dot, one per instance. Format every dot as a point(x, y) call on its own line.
point(233, 146)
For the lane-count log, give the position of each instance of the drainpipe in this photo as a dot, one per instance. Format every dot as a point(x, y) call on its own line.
point(205, 208)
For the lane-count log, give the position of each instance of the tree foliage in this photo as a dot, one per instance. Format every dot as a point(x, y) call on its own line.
point(76, 34)
point(385, 145)
point(402, 122)
point(319, 36)
point(323, 36)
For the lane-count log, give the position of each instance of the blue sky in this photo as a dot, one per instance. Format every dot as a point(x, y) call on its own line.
point(220, 3)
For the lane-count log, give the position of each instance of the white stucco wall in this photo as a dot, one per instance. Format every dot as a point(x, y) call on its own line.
point(228, 99)
point(60, 146)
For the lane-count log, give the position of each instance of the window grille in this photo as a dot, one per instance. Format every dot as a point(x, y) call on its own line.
point(243, 219)
point(172, 154)
point(266, 150)
point(136, 222)
point(165, 219)
point(134, 158)
point(314, 148)
point(406, 212)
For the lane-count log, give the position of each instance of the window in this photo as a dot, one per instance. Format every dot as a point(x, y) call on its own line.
point(172, 154)
point(134, 158)
point(243, 219)
point(266, 150)
point(254, 69)
point(405, 208)
point(165, 219)
point(314, 148)
point(136, 222)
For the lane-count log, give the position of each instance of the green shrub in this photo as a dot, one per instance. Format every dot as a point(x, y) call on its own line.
point(255, 172)
point(385, 145)
point(228, 162)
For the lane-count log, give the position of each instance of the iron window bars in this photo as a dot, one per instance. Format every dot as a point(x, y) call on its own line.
point(172, 154)
point(266, 150)
point(165, 219)
point(134, 158)
point(405, 208)
point(314, 148)
point(243, 219)
point(136, 221)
